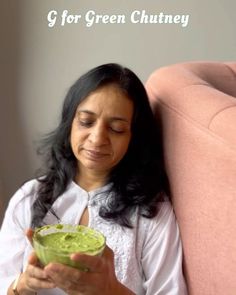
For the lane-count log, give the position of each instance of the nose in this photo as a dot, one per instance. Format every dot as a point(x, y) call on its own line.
point(99, 135)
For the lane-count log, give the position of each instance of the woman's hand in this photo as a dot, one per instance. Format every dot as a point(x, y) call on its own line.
point(34, 277)
point(100, 279)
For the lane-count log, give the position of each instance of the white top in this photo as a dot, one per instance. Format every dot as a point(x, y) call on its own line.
point(148, 257)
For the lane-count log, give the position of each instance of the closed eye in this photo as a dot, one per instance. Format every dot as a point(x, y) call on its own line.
point(116, 130)
point(90, 123)
point(86, 123)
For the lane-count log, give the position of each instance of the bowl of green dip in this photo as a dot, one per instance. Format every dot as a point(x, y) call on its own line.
point(55, 243)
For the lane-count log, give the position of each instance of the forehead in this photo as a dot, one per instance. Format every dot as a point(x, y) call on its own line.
point(109, 100)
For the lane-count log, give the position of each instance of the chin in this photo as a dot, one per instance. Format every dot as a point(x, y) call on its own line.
point(96, 166)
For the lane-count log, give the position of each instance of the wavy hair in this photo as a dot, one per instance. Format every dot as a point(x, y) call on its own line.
point(137, 181)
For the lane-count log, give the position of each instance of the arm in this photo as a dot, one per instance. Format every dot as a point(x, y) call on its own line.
point(15, 247)
point(162, 256)
point(12, 245)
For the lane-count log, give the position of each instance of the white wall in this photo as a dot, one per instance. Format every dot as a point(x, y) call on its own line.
point(39, 63)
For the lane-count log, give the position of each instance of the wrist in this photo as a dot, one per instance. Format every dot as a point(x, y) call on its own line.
point(19, 287)
point(15, 285)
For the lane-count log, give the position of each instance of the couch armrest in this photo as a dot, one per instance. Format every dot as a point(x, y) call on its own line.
point(196, 85)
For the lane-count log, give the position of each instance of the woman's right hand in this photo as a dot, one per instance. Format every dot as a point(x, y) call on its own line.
point(34, 277)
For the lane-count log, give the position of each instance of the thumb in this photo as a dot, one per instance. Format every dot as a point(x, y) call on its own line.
point(108, 253)
point(33, 259)
point(29, 234)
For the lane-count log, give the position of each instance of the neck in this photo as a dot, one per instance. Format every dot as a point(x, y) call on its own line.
point(89, 180)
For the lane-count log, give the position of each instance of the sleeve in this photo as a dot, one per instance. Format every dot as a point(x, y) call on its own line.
point(162, 255)
point(13, 242)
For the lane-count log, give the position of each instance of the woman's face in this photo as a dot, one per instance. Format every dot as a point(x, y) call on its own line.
point(101, 130)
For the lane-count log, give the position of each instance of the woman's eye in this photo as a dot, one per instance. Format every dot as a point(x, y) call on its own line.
point(116, 130)
point(86, 123)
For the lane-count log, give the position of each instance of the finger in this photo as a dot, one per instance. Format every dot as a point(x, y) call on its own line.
point(65, 277)
point(108, 253)
point(29, 233)
point(36, 272)
point(33, 259)
point(35, 284)
point(34, 278)
point(94, 263)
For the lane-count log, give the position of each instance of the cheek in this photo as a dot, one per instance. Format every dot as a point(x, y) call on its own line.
point(72, 138)
point(76, 138)
point(121, 147)
point(77, 132)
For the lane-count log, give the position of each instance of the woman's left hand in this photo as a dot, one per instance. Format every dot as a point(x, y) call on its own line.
point(100, 279)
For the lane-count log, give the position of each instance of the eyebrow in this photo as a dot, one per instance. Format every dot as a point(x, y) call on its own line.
point(115, 118)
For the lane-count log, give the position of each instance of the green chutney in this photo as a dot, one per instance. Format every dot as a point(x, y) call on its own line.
point(56, 242)
point(72, 241)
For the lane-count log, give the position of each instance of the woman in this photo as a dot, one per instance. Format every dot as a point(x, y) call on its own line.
point(103, 169)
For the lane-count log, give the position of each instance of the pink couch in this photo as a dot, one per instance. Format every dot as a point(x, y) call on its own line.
point(196, 105)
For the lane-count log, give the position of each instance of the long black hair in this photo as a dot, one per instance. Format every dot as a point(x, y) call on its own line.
point(138, 180)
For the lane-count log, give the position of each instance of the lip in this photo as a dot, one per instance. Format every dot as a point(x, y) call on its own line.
point(95, 155)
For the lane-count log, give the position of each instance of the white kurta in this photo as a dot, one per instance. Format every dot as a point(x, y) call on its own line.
point(148, 257)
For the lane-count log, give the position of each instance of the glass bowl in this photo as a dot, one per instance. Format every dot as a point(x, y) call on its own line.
point(55, 243)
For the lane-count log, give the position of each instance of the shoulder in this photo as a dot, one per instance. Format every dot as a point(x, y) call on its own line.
point(26, 193)
point(19, 208)
point(163, 225)
point(165, 214)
